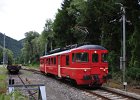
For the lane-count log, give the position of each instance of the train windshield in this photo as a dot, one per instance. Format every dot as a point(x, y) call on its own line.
point(94, 57)
point(104, 57)
point(80, 57)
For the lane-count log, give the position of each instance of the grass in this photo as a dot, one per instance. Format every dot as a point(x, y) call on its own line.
point(36, 66)
point(3, 77)
point(14, 96)
point(3, 87)
point(3, 84)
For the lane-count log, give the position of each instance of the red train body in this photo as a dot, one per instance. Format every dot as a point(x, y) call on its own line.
point(86, 64)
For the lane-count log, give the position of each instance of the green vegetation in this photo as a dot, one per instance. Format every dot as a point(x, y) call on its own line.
point(3, 77)
point(3, 87)
point(15, 95)
point(35, 65)
point(11, 44)
point(9, 57)
point(3, 84)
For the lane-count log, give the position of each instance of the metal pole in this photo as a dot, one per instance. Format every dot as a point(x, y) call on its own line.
point(3, 50)
point(46, 48)
point(123, 44)
point(51, 44)
point(124, 49)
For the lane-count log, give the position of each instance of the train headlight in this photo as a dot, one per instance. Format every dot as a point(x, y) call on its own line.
point(95, 51)
point(85, 70)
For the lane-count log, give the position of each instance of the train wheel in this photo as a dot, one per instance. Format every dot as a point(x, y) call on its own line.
point(58, 78)
point(41, 71)
point(97, 86)
point(73, 82)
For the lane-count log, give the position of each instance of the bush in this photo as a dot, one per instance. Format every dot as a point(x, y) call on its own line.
point(134, 73)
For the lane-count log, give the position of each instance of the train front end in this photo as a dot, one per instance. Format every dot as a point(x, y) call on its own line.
point(99, 67)
point(93, 62)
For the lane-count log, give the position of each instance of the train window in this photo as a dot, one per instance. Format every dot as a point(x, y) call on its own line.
point(54, 60)
point(94, 57)
point(49, 61)
point(80, 57)
point(104, 57)
point(67, 60)
point(73, 57)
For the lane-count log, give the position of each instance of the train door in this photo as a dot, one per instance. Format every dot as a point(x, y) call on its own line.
point(42, 65)
point(95, 62)
point(59, 70)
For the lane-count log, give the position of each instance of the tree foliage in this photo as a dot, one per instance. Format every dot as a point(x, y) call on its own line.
point(35, 44)
point(30, 52)
point(63, 25)
point(47, 36)
point(9, 56)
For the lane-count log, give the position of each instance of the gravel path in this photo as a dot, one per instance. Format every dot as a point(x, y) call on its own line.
point(55, 89)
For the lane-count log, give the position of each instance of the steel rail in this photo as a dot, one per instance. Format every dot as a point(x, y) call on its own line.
point(118, 93)
point(95, 94)
point(30, 93)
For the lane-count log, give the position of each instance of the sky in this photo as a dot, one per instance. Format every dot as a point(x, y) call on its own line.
point(20, 16)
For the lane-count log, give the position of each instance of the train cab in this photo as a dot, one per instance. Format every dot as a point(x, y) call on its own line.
point(91, 64)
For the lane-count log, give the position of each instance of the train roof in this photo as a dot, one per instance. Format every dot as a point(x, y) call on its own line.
point(58, 53)
point(84, 47)
point(90, 47)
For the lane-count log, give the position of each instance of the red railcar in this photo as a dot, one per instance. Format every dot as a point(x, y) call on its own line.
point(86, 64)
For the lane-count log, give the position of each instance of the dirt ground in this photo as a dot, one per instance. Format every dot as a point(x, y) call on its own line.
point(129, 88)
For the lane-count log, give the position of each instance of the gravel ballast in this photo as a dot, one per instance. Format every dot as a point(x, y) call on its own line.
point(55, 89)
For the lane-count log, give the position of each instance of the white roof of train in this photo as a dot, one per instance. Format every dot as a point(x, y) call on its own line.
point(86, 47)
point(58, 53)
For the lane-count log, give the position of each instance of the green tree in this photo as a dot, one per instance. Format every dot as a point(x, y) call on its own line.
point(30, 50)
point(102, 22)
point(47, 36)
point(63, 25)
point(1, 55)
point(9, 56)
point(133, 13)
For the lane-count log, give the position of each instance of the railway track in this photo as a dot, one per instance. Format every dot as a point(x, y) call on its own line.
point(106, 95)
point(100, 94)
point(16, 79)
